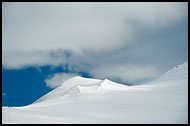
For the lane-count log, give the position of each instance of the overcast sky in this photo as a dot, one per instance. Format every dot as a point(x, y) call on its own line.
point(128, 41)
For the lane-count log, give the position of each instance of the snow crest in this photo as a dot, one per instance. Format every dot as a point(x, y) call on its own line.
point(79, 85)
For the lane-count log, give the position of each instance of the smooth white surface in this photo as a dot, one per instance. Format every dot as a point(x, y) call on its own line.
point(83, 100)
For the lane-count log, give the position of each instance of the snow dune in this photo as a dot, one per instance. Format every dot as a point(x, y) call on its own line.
point(86, 100)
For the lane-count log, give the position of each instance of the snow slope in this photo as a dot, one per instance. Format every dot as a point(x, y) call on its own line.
point(84, 100)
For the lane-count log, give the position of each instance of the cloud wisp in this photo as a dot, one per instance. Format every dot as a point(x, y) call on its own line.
point(58, 79)
point(4, 94)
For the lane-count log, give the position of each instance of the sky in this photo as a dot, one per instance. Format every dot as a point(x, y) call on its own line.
point(44, 44)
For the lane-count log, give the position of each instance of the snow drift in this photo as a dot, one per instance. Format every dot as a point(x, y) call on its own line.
point(86, 100)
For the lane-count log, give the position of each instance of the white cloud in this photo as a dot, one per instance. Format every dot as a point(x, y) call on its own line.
point(58, 79)
point(94, 34)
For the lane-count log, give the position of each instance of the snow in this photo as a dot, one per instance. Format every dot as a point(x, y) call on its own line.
point(84, 100)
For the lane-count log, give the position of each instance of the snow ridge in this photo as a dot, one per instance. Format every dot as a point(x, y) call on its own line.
point(79, 85)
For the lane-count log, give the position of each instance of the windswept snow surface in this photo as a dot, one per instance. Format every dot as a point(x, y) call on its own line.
point(84, 100)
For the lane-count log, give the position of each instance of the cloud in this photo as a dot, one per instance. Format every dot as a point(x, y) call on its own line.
point(4, 94)
point(18, 58)
point(129, 73)
point(58, 79)
point(95, 37)
point(77, 26)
